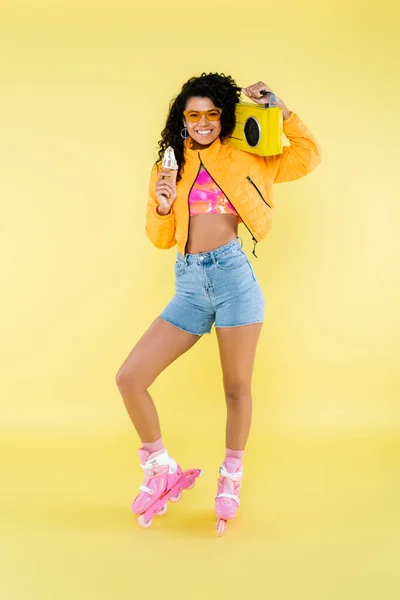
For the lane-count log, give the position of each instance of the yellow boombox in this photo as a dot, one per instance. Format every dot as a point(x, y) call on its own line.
point(258, 129)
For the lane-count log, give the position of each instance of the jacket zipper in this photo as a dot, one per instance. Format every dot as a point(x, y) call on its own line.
point(252, 182)
point(251, 233)
point(187, 236)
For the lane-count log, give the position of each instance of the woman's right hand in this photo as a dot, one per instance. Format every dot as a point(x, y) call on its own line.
point(166, 190)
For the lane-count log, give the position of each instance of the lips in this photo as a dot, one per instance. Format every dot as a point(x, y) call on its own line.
point(203, 131)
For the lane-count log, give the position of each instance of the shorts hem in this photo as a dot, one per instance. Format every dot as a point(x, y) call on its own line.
point(178, 326)
point(240, 325)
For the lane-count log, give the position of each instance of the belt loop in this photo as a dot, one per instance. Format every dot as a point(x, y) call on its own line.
point(241, 241)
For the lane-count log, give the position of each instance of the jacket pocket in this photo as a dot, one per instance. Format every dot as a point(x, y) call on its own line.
point(258, 191)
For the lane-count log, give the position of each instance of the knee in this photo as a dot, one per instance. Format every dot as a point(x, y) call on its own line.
point(237, 396)
point(121, 378)
point(126, 378)
point(132, 378)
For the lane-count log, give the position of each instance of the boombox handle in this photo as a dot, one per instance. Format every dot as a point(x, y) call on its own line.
point(271, 100)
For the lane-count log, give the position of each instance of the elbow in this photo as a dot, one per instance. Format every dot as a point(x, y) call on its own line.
point(160, 242)
point(162, 245)
point(155, 240)
point(309, 158)
point(317, 154)
point(316, 157)
point(313, 159)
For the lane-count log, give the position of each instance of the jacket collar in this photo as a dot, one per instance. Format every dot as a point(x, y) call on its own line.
point(210, 152)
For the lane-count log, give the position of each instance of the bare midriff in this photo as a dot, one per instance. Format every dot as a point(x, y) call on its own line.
point(208, 232)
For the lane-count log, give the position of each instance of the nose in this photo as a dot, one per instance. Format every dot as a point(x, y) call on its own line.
point(203, 120)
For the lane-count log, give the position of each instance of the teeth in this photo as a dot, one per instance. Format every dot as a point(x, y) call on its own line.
point(204, 132)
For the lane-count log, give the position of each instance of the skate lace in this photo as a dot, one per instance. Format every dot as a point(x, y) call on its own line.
point(234, 477)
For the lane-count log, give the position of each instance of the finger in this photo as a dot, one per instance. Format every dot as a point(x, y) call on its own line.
point(163, 196)
point(163, 193)
point(166, 183)
point(265, 88)
point(164, 190)
point(256, 91)
point(165, 173)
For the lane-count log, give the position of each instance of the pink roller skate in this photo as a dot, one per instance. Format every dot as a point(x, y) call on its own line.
point(227, 498)
point(163, 480)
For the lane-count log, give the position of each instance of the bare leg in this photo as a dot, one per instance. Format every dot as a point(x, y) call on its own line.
point(237, 347)
point(160, 345)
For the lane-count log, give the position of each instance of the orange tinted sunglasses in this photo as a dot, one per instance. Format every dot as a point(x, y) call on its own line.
point(213, 114)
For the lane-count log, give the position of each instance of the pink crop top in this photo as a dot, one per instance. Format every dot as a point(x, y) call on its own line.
point(206, 197)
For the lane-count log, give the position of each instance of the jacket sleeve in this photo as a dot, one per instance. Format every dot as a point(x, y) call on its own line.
point(298, 159)
point(160, 229)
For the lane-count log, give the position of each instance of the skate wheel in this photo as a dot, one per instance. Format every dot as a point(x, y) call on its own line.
point(191, 486)
point(163, 510)
point(221, 527)
point(176, 498)
point(143, 522)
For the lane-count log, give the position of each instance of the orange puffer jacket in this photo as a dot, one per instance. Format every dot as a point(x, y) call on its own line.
point(246, 180)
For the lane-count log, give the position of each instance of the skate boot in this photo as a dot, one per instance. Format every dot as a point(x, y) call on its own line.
point(163, 480)
point(227, 498)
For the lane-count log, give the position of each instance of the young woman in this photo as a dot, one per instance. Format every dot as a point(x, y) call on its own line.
point(198, 207)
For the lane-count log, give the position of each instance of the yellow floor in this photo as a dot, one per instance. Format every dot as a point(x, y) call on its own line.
point(319, 520)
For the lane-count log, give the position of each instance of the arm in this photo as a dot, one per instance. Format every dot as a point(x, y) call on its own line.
point(160, 229)
point(298, 159)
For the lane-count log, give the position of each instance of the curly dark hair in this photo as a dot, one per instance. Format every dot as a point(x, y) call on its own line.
point(224, 93)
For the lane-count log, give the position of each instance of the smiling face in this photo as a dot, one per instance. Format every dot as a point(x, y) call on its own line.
point(204, 132)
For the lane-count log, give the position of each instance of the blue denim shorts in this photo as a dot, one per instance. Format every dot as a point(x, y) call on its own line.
point(218, 287)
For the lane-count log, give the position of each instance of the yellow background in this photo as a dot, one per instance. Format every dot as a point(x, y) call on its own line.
point(84, 93)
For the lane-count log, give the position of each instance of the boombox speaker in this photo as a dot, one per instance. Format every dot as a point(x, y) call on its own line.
point(258, 129)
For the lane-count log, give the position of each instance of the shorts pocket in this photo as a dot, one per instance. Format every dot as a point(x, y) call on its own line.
point(231, 261)
point(179, 268)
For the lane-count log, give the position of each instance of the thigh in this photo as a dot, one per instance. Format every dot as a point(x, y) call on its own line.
point(159, 346)
point(189, 313)
point(237, 348)
point(237, 292)
point(191, 308)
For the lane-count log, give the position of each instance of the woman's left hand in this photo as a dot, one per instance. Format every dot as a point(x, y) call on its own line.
point(253, 92)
